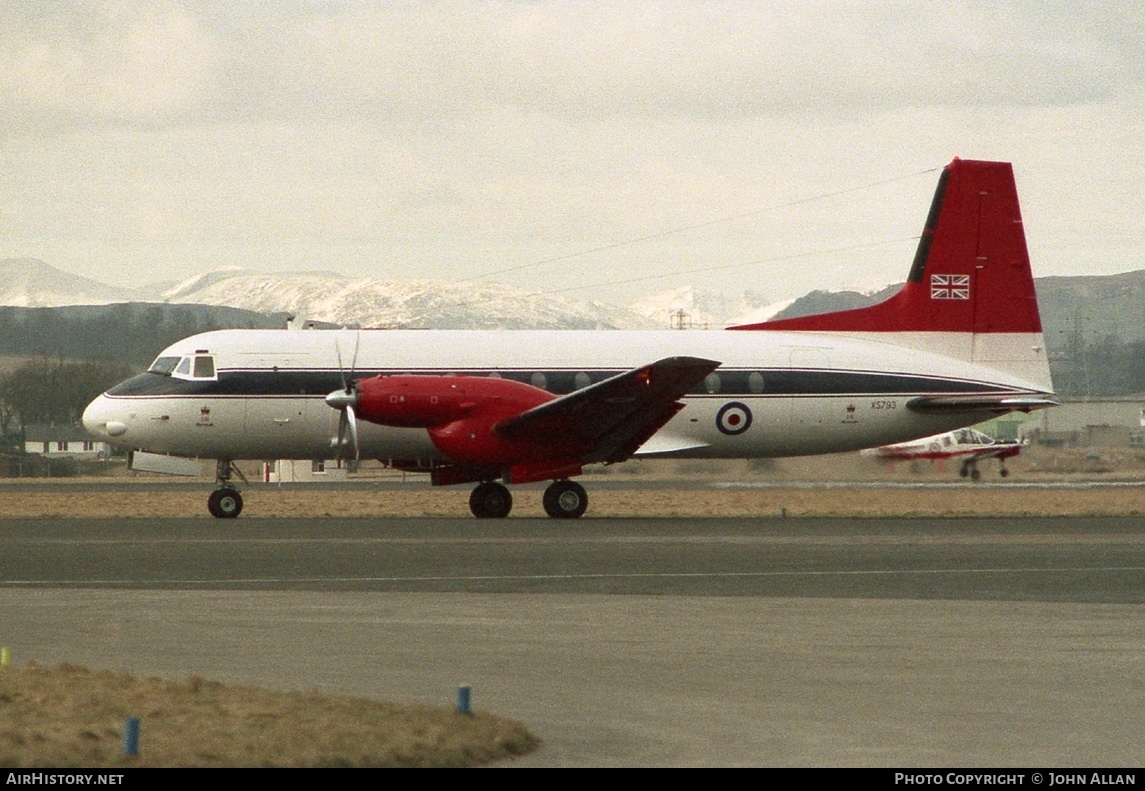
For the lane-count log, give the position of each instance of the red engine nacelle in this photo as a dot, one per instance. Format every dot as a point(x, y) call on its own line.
point(460, 413)
point(411, 401)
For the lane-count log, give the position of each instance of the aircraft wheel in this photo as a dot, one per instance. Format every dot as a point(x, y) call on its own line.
point(225, 503)
point(975, 474)
point(565, 500)
point(490, 501)
point(1003, 472)
point(964, 471)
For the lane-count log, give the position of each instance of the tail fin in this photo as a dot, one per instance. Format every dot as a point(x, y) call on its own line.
point(970, 278)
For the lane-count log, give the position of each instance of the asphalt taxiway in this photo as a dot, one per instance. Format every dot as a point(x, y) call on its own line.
point(625, 642)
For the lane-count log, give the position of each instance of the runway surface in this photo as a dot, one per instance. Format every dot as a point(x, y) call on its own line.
point(634, 642)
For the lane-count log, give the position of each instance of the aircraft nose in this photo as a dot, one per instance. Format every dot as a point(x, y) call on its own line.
point(99, 419)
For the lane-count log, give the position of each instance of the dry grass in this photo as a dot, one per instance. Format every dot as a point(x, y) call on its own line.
point(68, 716)
point(969, 500)
point(732, 491)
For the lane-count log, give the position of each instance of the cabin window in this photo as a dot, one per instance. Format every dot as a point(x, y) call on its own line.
point(538, 380)
point(755, 382)
point(712, 383)
point(582, 380)
point(184, 368)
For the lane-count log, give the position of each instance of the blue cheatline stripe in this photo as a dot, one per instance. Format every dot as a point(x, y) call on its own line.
point(763, 382)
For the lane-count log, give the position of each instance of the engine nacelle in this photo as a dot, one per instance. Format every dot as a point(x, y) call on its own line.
point(421, 401)
point(460, 413)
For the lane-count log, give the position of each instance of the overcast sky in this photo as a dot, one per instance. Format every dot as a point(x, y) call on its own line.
point(145, 141)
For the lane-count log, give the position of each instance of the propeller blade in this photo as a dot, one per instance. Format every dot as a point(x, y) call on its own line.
point(341, 370)
point(352, 422)
point(341, 438)
point(346, 399)
point(354, 359)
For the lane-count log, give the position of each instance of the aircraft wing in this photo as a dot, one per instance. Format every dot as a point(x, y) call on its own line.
point(1002, 450)
point(936, 405)
point(609, 420)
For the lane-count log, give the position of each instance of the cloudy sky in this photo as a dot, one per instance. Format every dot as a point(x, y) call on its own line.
point(611, 149)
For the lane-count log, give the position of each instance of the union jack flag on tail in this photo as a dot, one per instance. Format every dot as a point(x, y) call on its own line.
point(950, 286)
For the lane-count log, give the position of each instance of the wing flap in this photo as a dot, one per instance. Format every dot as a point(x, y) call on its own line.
point(609, 420)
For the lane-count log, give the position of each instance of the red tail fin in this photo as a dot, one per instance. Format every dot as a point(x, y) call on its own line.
point(971, 272)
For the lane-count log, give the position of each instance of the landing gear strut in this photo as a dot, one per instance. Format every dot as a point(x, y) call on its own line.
point(225, 502)
point(565, 500)
point(490, 501)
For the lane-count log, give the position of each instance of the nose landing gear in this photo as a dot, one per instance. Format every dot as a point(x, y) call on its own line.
point(226, 502)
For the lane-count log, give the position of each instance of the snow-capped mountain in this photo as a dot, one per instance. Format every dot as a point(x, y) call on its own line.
point(372, 302)
point(30, 283)
point(698, 308)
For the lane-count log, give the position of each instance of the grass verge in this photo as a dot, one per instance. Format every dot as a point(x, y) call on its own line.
point(68, 716)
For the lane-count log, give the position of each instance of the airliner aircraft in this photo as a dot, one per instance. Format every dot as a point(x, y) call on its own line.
point(960, 343)
point(967, 445)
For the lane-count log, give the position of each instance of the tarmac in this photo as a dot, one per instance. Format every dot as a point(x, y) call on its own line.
point(632, 642)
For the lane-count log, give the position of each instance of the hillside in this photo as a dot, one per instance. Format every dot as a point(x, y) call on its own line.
point(131, 333)
point(1090, 307)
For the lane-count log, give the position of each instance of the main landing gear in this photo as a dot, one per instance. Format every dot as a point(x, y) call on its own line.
point(565, 500)
point(562, 500)
point(225, 502)
point(490, 501)
point(970, 470)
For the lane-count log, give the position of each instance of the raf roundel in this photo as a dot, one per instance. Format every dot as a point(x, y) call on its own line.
point(733, 418)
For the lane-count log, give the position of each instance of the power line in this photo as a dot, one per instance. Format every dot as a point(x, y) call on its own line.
point(686, 228)
point(773, 259)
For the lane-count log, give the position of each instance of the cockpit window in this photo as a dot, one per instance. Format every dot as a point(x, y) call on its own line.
point(164, 365)
point(204, 367)
point(198, 366)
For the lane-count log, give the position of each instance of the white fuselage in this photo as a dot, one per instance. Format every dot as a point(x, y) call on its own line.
point(777, 394)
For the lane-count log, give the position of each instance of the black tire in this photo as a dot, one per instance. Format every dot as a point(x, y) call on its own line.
point(565, 500)
point(975, 473)
point(225, 503)
point(490, 501)
point(1004, 472)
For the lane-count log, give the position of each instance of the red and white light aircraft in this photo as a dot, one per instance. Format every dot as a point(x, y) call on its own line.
point(960, 343)
point(967, 445)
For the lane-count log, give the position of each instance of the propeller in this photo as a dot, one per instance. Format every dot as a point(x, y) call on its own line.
point(346, 400)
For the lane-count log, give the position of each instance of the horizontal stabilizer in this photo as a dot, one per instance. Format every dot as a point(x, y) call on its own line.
point(660, 445)
point(952, 405)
